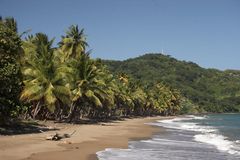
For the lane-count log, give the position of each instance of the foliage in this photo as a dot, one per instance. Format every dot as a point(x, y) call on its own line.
point(44, 76)
point(210, 89)
point(10, 76)
point(74, 42)
point(66, 84)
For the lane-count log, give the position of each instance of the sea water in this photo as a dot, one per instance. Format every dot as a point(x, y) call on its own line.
point(206, 137)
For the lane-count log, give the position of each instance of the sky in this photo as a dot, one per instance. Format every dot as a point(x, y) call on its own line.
point(206, 32)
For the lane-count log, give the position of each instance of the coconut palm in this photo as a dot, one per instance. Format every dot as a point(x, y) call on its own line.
point(138, 96)
point(74, 43)
point(175, 102)
point(11, 23)
point(167, 99)
point(88, 87)
point(45, 83)
point(123, 95)
point(109, 87)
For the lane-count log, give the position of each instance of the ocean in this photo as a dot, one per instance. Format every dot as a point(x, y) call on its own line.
point(205, 137)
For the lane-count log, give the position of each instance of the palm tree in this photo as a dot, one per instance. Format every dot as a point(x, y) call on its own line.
point(74, 43)
point(175, 102)
point(109, 87)
point(88, 87)
point(123, 95)
point(168, 100)
point(123, 77)
point(11, 23)
point(45, 83)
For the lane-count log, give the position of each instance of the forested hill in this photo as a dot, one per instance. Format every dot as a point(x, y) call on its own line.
point(213, 90)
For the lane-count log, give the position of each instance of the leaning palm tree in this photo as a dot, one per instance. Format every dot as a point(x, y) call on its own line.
point(45, 83)
point(108, 86)
point(74, 43)
point(167, 99)
point(87, 86)
point(139, 99)
point(124, 96)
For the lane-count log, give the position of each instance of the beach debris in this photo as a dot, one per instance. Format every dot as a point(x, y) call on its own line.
point(51, 128)
point(67, 142)
point(54, 137)
point(57, 136)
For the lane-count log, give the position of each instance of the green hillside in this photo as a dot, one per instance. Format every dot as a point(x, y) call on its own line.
point(211, 89)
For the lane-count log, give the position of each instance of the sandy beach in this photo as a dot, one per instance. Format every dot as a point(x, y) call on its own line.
point(87, 140)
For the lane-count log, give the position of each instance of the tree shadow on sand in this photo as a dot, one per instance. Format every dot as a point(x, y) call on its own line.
point(24, 128)
point(94, 121)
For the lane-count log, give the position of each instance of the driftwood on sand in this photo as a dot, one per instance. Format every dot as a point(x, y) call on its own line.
point(58, 136)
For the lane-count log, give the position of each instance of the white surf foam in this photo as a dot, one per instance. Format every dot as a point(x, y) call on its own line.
point(178, 123)
point(168, 141)
point(133, 154)
point(207, 134)
point(221, 142)
point(197, 117)
point(204, 134)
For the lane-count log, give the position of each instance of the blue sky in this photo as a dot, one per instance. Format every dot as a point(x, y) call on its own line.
point(203, 31)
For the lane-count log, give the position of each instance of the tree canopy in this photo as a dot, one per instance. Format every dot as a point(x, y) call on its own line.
point(10, 75)
point(39, 81)
point(211, 89)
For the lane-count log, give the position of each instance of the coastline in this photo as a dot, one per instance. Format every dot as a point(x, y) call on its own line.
point(83, 145)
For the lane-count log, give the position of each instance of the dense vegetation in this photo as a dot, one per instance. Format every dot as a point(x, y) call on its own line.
point(39, 81)
point(10, 75)
point(210, 89)
point(64, 83)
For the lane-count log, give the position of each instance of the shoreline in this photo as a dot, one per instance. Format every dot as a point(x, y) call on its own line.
point(83, 145)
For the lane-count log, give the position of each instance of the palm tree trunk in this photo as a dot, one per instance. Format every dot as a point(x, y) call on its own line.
point(36, 110)
point(71, 112)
